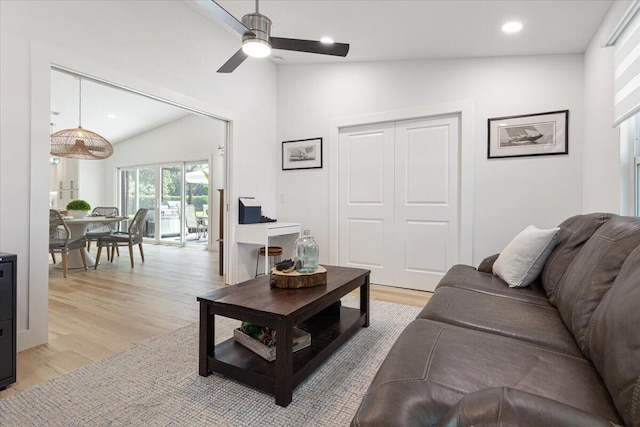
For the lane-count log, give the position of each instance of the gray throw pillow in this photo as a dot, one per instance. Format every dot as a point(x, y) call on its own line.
point(522, 261)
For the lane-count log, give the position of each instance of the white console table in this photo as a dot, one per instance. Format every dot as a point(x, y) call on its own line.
point(259, 234)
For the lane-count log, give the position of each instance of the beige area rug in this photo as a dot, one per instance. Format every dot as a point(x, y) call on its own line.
point(157, 384)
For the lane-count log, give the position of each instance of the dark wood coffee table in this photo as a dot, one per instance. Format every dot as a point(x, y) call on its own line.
point(256, 302)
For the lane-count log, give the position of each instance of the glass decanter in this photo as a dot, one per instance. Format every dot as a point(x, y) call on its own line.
point(306, 253)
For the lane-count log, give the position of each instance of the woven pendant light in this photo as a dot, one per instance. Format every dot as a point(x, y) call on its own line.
point(80, 143)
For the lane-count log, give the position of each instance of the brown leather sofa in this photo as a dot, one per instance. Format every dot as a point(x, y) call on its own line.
point(562, 352)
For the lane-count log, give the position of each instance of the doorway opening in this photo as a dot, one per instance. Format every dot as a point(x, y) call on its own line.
point(148, 135)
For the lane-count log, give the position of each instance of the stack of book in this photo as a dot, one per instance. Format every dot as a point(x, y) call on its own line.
point(301, 339)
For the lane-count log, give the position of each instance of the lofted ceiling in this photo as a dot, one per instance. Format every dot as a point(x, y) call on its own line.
point(375, 29)
point(134, 114)
point(427, 29)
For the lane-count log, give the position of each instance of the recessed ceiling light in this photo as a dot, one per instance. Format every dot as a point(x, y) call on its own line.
point(111, 116)
point(512, 27)
point(327, 40)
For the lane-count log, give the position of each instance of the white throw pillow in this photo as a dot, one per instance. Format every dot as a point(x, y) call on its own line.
point(521, 262)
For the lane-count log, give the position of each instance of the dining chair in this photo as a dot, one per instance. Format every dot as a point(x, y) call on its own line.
point(132, 237)
point(61, 241)
point(95, 231)
point(192, 221)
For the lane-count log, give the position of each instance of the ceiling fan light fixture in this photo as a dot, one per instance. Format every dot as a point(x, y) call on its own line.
point(255, 29)
point(256, 44)
point(256, 48)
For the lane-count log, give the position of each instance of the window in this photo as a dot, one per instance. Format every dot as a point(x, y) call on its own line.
point(635, 152)
point(637, 192)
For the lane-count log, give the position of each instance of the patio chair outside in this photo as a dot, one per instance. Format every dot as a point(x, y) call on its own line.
point(192, 221)
point(132, 237)
point(61, 241)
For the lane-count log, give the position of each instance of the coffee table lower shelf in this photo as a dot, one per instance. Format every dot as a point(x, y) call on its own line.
point(237, 362)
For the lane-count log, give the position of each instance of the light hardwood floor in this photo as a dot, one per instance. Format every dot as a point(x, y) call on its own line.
point(95, 314)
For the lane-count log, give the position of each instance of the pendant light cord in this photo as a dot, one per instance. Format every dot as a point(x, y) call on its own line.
point(80, 103)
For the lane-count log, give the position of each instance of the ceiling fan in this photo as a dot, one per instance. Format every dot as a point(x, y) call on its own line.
point(255, 29)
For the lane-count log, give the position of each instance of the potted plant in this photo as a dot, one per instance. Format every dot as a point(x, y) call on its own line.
point(78, 208)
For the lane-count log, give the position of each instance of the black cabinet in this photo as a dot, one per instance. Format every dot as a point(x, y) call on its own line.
point(7, 319)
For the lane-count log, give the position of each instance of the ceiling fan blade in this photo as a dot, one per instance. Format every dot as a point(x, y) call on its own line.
point(229, 19)
point(233, 62)
point(310, 46)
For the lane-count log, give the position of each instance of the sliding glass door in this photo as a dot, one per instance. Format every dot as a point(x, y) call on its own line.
point(147, 196)
point(171, 197)
point(637, 192)
point(128, 192)
point(138, 190)
point(176, 196)
point(196, 190)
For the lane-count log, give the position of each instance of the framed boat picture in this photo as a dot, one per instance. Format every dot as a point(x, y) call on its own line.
point(540, 134)
point(302, 154)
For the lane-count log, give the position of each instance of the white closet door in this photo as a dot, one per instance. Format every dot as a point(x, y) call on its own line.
point(366, 169)
point(426, 201)
point(399, 208)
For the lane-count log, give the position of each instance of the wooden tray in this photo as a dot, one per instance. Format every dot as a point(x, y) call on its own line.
point(301, 339)
point(294, 280)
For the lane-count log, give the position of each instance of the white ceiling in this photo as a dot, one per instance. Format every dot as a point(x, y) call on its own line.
point(376, 30)
point(427, 29)
point(134, 113)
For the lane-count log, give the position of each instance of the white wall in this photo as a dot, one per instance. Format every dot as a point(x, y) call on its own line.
point(91, 175)
point(602, 170)
point(509, 193)
point(164, 48)
point(191, 138)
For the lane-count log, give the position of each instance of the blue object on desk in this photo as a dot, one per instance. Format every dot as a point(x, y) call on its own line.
point(250, 211)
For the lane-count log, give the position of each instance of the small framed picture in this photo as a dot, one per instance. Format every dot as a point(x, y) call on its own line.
point(302, 154)
point(540, 134)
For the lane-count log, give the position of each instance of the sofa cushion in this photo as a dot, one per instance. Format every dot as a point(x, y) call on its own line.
point(574, 232)
point(593, 271)
point(505, 406)
point(486, 266)
point(432, 365)
point(521, 262)
point(467, 277)
point(532, 323)
point(613, 340)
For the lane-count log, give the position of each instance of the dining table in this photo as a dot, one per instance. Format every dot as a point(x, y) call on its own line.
point(78, 227)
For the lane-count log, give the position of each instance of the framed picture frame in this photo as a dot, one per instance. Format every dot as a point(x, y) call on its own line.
point(302, 154)
point(540, 134)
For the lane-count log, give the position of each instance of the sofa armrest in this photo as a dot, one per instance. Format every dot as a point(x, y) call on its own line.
point(486, 266)
point(508, 406)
